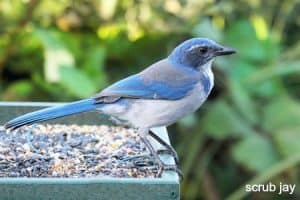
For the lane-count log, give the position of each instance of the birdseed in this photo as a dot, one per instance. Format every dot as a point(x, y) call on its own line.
point(73, 151)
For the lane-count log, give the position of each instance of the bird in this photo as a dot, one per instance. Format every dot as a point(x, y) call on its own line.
point(159, 95)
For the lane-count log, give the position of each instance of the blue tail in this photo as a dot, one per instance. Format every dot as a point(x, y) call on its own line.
point(53, 112)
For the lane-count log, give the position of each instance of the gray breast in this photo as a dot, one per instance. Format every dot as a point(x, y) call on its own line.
point(153, 113)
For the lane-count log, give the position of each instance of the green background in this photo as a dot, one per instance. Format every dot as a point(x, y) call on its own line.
point(248, 130)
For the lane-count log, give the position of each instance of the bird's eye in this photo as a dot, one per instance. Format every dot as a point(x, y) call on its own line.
point(203, 50)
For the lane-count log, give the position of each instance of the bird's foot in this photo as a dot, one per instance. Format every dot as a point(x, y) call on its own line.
point(140, 160)
point(168, 148)
point(147, 160)
point(161, 166)
point(165, 167)
point(171, 152)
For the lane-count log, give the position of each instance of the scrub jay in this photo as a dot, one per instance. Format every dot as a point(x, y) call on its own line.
point(157, 96)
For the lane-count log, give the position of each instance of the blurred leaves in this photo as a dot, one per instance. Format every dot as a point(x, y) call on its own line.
point(56, 54)
point(94, 66)
point(242, 100)
point(222, 121)
point(249, 46)
point(288, 141)
point(206, 29)
point(20, 90)
point(77, 82)
point(255, 153)
point(281, 69)
point(282, 113)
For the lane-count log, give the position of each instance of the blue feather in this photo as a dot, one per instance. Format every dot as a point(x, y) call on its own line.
point(134, 86)
point(206, 83)
point(53, 112)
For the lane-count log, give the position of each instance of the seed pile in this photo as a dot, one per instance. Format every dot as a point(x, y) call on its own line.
point(71, 151)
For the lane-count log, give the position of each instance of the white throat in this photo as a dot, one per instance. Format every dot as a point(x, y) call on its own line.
point(206, 66)
point(207, 70)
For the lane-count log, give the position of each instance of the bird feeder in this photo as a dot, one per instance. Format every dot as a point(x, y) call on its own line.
point(163, 188)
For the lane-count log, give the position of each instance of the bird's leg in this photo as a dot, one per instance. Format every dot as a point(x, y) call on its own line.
point(143, 134)
point(161, 166)
point(169, 149)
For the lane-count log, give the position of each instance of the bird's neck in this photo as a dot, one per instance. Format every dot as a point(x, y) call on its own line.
point(205, 67)
point(207, 73)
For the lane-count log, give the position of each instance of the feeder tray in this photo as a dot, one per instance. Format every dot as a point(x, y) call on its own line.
point(131, 184)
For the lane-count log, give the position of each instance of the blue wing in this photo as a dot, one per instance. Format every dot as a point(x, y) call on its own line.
point(157, 82)
point(135, 87)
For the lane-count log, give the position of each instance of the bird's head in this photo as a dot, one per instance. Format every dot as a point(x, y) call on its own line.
point(196, 52)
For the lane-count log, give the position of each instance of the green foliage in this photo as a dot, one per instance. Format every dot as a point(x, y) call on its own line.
point(249, 127)
point(76, 82)
point(19, 89)
point(275, 117)
point(255, 153)
point(287, 141)
point(221, 121)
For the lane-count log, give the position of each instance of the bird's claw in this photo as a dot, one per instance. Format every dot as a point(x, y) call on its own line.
point(166, 167)
point(169, 152)
point(140, 160)
point(146, 160)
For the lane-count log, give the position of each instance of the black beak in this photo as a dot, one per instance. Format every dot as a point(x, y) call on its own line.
point(225, 51)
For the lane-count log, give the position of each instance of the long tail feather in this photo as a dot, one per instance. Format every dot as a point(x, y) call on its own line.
point(52, 113)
